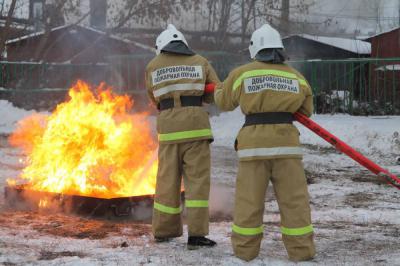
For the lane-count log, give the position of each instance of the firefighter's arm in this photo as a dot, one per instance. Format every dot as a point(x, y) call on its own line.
point(149, 88)
point(225, 96)
point(211, 78)
point(307, 107)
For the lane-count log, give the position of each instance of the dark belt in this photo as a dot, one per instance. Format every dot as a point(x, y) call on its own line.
point(185, 101)
point(268, 118)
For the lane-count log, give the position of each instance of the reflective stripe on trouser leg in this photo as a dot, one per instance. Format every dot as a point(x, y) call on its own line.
point(299, 231)
point(251, 184)
point(185, 135)
point(248, 231)
point(196, 203)
point(291, 193)
point(167, 209)
point(196, 174)
point(166, 213)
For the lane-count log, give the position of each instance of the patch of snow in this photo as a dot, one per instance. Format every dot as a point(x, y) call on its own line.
point(395, 67)
point(341, 95)
point(226, 126)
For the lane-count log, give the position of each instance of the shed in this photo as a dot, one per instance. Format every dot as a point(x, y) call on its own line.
point(385, 77)
point(386, 44)
point(56, 59)
point(71, 44)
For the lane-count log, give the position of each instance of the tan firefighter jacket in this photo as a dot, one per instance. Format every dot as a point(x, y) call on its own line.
point(262, 87)
point(171, 76)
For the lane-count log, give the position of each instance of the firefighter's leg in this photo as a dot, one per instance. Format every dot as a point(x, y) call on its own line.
point(247, 230)
point(196, 174)
point(167, 210)
point(291, 192)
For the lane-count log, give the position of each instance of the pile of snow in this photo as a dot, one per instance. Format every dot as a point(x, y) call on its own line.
point(370, 135)
point(10, 115)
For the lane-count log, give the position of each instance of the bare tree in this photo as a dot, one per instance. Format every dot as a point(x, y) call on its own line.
point(4, 34)
point(248, 14)
point(126, 13)
point(243, 12)
point(376, 8)
point(279, 13)
point(50, 19)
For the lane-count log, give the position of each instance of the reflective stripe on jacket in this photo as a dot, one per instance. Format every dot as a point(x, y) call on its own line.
point(262, 87)
point(171, 76)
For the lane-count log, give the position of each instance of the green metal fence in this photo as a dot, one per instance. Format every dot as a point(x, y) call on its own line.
point(42, 85)
point(355, 86)
point(367, 86)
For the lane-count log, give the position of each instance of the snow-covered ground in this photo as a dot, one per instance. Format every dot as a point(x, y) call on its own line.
point(356, 216)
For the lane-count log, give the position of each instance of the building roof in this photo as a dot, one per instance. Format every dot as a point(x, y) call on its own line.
point(351, 45)
point(35, 34)
point(383, 32)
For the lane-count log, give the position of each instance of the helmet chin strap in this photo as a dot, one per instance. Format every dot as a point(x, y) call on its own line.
point(177, 47)
point(271, 55)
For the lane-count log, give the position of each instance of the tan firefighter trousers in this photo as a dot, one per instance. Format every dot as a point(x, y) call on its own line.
point(192, 161)
point(288, 178)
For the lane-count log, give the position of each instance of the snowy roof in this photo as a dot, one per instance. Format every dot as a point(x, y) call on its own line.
point(143, 46)
point(16, 25)
point(383, 32)
point(351, 45)
point(31, 35)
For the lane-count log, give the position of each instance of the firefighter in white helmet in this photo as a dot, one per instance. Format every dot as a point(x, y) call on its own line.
point(268, 92)
point(175, 81)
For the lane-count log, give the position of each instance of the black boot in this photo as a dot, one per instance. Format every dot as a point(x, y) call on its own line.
point(162, 239)
point(195, 242)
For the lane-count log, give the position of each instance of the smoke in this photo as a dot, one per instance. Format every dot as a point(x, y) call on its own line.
point(221, 203)
point(28, 200)
point(143, 211)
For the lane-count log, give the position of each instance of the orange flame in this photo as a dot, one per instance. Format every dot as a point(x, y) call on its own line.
point(43, 203)
point(90, 145)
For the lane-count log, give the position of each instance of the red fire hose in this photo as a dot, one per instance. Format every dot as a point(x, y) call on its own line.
point(339, 145)
point(349, 151)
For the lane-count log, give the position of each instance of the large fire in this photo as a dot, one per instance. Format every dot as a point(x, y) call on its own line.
point(90, 145)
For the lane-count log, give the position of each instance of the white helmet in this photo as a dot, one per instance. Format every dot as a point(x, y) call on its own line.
point(167, 36)
point(263, 38)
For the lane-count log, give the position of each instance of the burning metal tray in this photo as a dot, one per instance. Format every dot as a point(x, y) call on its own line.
point(136, 207)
